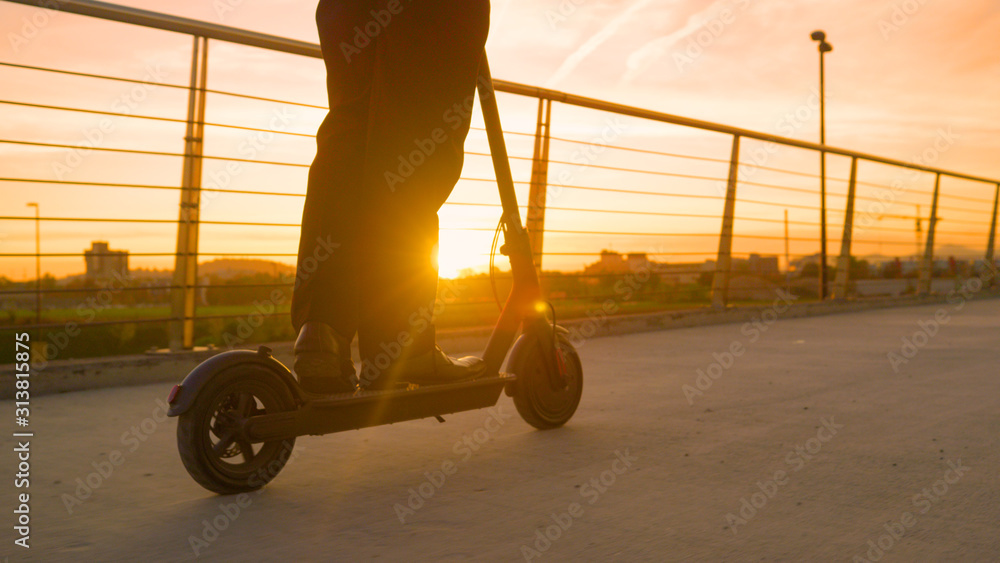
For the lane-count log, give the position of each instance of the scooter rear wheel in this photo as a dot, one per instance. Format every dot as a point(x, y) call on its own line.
point(215, 450)
point(538, 403)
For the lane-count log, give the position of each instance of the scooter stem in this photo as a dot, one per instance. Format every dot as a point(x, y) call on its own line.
point(524, 301)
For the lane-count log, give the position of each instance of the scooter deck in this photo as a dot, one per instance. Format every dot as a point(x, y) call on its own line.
point(336, 413)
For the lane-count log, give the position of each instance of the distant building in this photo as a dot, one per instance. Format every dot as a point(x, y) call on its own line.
point(679, 274)
point(800, 264)
point(637, 261)
point(610, 263)
point(103, 263)
point(763, 265)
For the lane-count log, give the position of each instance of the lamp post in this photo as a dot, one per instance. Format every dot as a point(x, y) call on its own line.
point(824, 48)
point(38, 266)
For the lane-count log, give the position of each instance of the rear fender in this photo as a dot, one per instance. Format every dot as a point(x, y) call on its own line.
point(184, 395)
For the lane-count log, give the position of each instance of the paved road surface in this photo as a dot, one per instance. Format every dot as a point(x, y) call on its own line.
point(842, 450)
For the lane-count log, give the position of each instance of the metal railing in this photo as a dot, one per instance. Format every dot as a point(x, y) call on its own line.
point(550, 155)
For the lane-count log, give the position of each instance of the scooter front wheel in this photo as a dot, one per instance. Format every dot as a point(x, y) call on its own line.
point(538, 402)
point(212, 442)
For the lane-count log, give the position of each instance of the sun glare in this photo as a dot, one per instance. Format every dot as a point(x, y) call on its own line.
point(459, 251)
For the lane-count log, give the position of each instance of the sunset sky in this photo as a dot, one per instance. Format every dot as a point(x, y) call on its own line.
point(904, 77)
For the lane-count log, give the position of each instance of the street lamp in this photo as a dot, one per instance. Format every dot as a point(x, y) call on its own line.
point(824, 48)
point(38, 267)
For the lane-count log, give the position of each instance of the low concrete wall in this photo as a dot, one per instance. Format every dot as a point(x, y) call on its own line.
point(75, 375)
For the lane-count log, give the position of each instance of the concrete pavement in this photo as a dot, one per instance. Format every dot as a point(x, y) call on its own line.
point(801, 441)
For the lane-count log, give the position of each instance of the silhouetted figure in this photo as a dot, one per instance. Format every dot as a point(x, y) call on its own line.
point(401, 79)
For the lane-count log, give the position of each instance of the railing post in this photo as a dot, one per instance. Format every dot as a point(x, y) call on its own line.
point(788, 259)
point(927, 271)
point(182, 303)
point(993, 231)
point(822, 224)
point(539, 183)
point(723, 266)
point(38, 263)
point(844, 262)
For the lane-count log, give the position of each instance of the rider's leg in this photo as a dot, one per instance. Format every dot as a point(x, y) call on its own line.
point(421, 103)
point(325, 299)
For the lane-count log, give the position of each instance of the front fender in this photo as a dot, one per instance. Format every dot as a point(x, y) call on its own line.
point(184, 395)
point(522, 347)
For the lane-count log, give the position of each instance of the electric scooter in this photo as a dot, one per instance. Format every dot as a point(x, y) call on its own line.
point(240, 411)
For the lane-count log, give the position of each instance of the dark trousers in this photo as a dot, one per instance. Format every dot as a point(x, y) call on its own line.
point(401, 78)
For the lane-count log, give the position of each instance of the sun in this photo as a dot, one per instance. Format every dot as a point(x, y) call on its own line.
point(460, 250)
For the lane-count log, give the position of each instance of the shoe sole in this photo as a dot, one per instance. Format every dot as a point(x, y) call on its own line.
point(313, 371)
